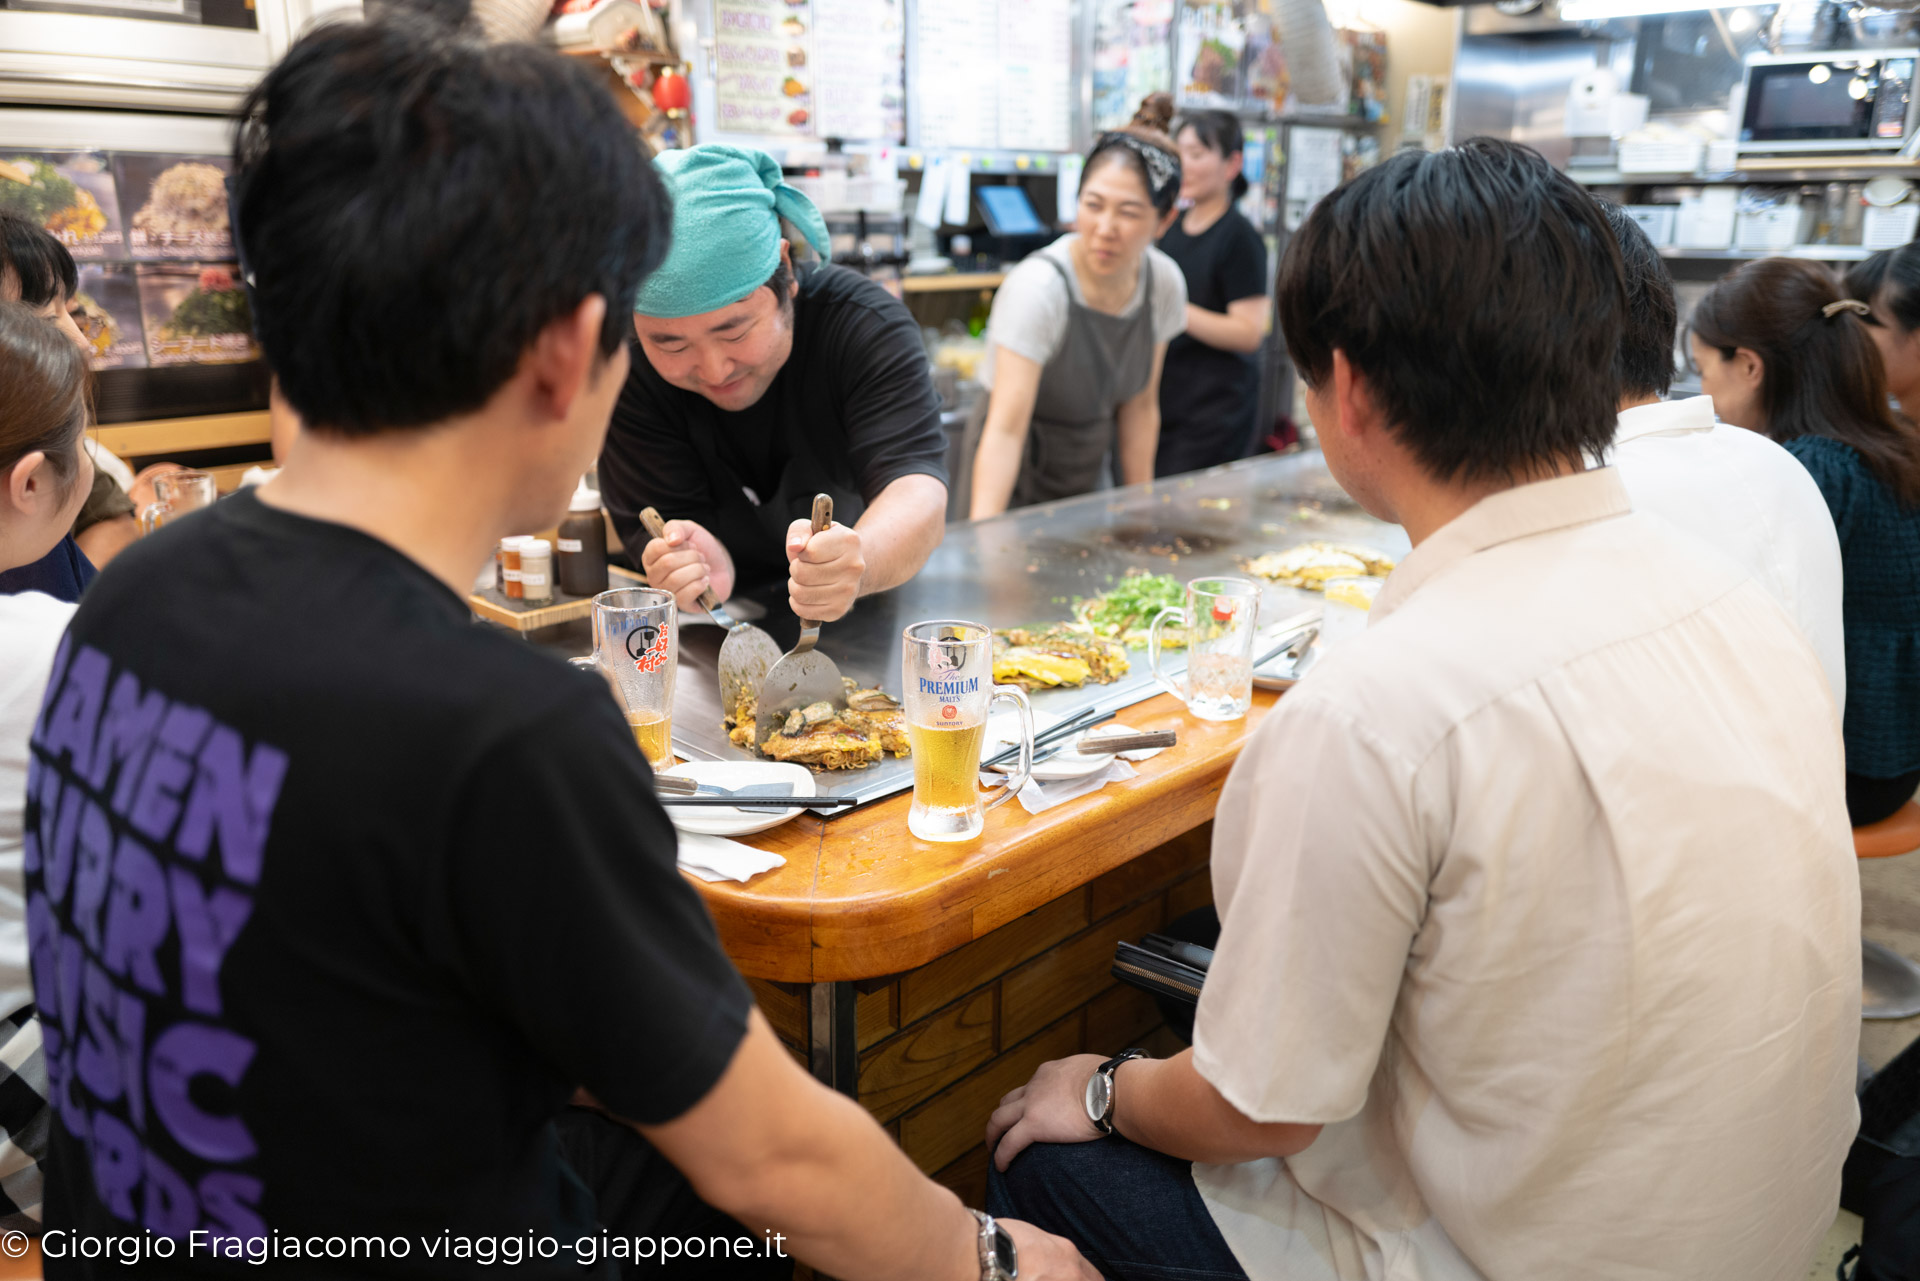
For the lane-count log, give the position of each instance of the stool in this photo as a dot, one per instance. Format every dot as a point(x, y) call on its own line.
point(1889, 982)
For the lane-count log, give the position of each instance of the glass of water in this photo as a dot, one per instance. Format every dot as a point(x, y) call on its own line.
point(1221, 617)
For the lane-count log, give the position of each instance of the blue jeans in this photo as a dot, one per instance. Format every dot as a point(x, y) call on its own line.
point(1132, 1211)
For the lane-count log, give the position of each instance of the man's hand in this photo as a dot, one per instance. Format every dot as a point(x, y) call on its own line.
point(1046, 1257)
point(143, 493)
point(687, 562)
point(1051, 1108)
point(824, 570)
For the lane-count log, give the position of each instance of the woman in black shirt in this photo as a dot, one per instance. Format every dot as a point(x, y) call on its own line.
point(1209, 394)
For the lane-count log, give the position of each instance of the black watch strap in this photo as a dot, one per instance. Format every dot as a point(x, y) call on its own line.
point(1103, 1121)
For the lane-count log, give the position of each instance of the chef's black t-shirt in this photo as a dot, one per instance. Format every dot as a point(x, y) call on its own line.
point(334, 897)
point(852, 411)
point(1207, 396)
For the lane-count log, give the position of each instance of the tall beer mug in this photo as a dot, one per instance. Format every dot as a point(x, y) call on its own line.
point(635, 647)
point(947, 674)
point(1220, 617)
point(177, 493)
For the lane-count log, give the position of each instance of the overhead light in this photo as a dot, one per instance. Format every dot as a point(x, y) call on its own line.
point(1819, 73)
point(1602, 10)
point(1741, 21)
point(1856, 88)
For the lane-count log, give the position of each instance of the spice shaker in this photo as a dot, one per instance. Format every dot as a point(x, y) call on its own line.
point(536, 569)
point(580, 557)
point(510, 568)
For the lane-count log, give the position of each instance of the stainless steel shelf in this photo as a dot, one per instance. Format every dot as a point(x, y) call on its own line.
point(1818, 253)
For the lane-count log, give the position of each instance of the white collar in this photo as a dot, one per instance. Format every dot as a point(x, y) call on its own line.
point(1666, 418)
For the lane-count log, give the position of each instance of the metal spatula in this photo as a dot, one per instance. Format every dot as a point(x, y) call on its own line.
point(803, 676)
point(746, 653)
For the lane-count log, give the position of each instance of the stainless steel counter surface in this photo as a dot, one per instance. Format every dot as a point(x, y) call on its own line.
point(1027, 566)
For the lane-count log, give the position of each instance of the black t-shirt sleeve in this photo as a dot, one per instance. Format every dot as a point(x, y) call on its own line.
point(649, 460)
point(575, 924)
point(1243, 266)
point(892, 411)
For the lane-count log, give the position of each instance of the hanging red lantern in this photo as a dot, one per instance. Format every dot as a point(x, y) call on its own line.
point(671, 92)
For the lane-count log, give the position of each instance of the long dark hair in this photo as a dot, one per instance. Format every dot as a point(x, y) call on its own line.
point(1893, 275)
point(47, 382)
point(1822, 374)
point(1218, 131)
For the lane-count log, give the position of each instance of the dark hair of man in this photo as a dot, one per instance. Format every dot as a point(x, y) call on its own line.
point(34, 261)
point(1821, 374)
point(1646, 352)
point(1892, 279)
point(1217, 131)
point(412, 207)
point(781, 282)
point(1148, 126)
point(46, 379)
point(1478, 292)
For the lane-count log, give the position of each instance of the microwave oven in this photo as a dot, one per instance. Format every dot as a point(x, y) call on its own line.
point(1840, 100)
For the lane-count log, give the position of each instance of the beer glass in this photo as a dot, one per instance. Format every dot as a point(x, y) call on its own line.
point(636, 647)
point(1349, 605)
point(1221, 617)
point(177, 493)
point(947, 683)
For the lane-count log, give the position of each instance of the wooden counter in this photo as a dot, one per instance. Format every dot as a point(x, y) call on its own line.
point(926, 980)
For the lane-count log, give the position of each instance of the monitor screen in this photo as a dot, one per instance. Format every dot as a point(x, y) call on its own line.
point(1008, 212)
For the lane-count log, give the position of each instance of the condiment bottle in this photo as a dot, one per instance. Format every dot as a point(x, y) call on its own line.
point(536, 569)
point(510, 585)
point(580, 556)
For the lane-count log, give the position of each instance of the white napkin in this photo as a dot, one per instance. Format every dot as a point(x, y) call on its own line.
point(1036, 796)
point(715, 858)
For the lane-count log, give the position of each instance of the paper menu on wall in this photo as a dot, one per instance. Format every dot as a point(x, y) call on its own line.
point(931, 206)
point(959, 210)
point(763, 66)
point(1067, 189)
point(971, 56)
point(859, 69)
point(1313, 163)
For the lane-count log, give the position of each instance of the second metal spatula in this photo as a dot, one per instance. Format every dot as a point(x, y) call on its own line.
point(746, 653)
point(804, 676)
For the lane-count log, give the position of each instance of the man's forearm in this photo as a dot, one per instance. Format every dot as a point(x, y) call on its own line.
point(1166, 1105)
point(900, 530)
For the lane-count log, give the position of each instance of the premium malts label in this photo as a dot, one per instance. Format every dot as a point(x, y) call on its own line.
point(950, 689)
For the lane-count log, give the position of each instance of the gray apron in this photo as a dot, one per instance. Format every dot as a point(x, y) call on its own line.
point(1103, 362)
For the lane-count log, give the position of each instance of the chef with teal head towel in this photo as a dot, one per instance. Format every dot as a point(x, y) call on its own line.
point(759, 381)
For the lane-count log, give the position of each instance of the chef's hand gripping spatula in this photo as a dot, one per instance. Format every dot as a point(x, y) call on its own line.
point(746, 653)
point(803, 676)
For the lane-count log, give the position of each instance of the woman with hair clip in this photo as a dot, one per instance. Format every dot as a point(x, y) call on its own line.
point(44, 477)
point(1079, 331)
point(1889, 283)
point(1784, 352)
point(1210, 391)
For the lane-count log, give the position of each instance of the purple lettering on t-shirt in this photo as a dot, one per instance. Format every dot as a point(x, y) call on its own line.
point(229, 1201)
point(67, 968)
point(43, 940)
point(116, 1163)
point(127, 726)
point(137, 915)
point(235, 795)
point(170, 1207)
point(156, 802)
point(130, 1039)
point(181, 1053)
point(208, 924)
point(70, 727)
point(92, 869)
point(66, 830)
point(98, 1057)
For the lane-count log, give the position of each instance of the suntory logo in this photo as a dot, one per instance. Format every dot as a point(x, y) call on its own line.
point(948, 711)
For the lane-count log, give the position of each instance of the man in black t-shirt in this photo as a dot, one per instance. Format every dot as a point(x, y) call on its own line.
point(752, 391)
point(336, 899)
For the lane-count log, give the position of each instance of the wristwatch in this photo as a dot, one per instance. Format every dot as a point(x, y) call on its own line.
point(1100, 1090)
point(999, 1261)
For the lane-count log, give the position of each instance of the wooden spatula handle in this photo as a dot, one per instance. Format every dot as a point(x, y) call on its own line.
point(657, 528)
point(1105, 744)
point(822, 519)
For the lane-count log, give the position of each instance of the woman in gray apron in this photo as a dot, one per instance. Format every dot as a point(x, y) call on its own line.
point(1078, 333)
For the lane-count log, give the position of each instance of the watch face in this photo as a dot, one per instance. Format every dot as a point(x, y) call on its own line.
point(1004, 1253)
point(1099, 1096)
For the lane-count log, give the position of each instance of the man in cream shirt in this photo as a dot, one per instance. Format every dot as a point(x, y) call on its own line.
point(1540, 925)
point(1734, 489)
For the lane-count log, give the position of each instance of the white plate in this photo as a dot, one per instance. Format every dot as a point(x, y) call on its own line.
point(1073, 763)
point(724, 820)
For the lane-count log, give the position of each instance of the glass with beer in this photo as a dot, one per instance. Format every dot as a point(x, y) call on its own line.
point(636, 647)
point(176, 494)
point(947, 679)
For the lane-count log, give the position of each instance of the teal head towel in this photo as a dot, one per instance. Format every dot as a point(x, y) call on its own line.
point(727, 206)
